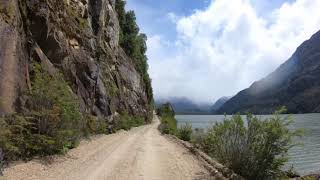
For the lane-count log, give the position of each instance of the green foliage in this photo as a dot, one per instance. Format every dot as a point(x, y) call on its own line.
point(83, 23)
point(198, 136)
point(113, 89)
point(168, 125)
point(94, 125)
point(165, 110)
point(311, 177)
point(168, 122)
point(291, 173)
point(54, 111)
point(256, 150)
point(71, 12)
point(8, 11)
point(185, 132)
point(126, 122)
point(134, 43)
point(52, 124)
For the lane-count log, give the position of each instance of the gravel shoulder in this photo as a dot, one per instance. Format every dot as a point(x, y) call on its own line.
point(139, 154)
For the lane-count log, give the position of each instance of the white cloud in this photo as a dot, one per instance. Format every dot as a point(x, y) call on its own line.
point(224, 48)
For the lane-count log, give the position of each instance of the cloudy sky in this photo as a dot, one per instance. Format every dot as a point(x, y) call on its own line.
point(206, 49)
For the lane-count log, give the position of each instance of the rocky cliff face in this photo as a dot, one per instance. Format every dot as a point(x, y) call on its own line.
point(295, 84)
point(80, 39)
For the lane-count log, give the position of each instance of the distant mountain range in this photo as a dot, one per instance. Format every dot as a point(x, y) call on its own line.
point(183, 105)
point(295, 84)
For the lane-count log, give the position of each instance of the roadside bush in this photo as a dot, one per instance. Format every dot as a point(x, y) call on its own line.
point(13, 130)
point(185, 132)
point(168, 125)
point(54, 113)
point(126, 122)
point(168, 122)
point(198, 137)
point(52, 123)
point(95, 125)
point(256, 150)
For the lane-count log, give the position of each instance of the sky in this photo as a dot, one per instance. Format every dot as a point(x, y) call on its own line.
point(207, 49)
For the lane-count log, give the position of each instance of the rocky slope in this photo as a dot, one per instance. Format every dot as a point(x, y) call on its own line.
point(295, 84)
point(80, 39)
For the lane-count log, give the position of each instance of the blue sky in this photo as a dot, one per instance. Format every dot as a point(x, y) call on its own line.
point(205, 49)
point(152, 16)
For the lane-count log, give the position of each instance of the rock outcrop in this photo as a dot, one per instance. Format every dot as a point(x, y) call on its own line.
point(80, 39)
point(295, 84)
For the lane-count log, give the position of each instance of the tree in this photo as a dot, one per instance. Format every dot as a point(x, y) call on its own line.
point(134, 43)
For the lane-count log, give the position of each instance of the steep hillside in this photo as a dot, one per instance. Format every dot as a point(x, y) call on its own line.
point(220, 102)
point(80, 40)
point(295, 84)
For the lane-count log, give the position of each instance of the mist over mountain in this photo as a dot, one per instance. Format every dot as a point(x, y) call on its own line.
point(184, 105)
point(220, 102)
point(295, 84)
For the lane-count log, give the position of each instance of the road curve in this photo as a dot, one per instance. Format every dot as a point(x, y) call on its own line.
point(139, 154)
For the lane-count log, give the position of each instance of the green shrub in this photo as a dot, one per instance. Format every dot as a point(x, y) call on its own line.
point(13, 131)
point(185, 132)
point(126, 122)
point(54, 112)
point(52, 123)
point(168, 125)
point(95, 125)
point(198, 137)
point(165, 110)
point(257, 150)
point(7, 11)
point(168, 122)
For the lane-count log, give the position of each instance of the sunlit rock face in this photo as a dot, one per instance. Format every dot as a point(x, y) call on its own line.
point(295, 84)
point(78, 38)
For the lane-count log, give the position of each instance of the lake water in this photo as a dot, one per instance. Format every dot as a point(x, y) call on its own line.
point(305, 158)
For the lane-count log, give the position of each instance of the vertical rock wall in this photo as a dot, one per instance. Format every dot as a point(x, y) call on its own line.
point(79, 38)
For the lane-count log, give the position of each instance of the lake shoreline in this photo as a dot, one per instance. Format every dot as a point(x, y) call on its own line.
point(303, 158)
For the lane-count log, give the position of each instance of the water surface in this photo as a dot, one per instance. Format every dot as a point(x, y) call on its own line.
point(304, 158)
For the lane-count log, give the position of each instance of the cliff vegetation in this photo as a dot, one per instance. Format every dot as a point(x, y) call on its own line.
point(70, 69)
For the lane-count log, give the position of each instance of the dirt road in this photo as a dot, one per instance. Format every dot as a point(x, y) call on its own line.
point(139, 154)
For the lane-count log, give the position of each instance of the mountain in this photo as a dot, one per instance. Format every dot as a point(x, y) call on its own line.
point(219, 103)
point(183, 105)
point(83, 41)
point(295, 84)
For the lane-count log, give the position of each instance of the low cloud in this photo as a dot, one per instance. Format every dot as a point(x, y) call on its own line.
point(224, 48)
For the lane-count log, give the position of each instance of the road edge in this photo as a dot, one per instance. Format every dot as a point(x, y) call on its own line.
point(216, 169)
